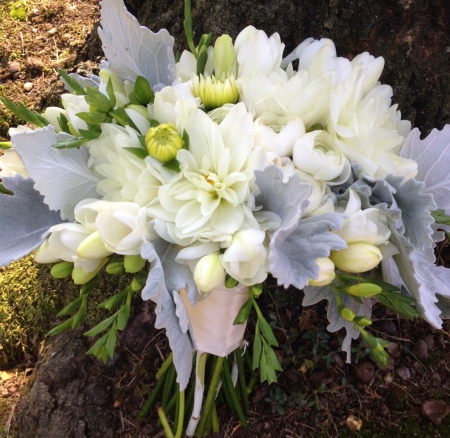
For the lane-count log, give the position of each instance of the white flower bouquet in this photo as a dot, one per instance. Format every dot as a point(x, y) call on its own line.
point(202, 176)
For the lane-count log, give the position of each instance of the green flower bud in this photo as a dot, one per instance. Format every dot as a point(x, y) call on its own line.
point(347, 314)
point(224, 56)
point(62, 270)
point(357, 257)
point(135, 285)
point(364, 290)
point(163, 142)
point(256, 290)
point(115, 268)
point(215, 92)
point(362, 321)
point(133, 263)
point(79, 276)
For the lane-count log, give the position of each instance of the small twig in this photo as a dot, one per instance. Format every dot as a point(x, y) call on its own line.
point(10, 417)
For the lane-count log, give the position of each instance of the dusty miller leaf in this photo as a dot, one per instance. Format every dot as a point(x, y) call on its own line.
point(432, 156)
point(133, 50)
point(24, 219)
point(159, 288)
point(314, 295)
point(421, 277)
point(60, 175)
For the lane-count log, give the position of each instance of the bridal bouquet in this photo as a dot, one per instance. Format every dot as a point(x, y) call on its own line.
point(203, 175)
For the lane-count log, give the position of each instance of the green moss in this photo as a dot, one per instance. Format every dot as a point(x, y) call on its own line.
point(29, 299)
point(19, 10)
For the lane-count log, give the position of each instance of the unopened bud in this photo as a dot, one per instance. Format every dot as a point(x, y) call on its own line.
point(326, 272)
point(224, 56)
point(92, 247)
point(215, 92)
point(364, 290)
point(209, 272)
point(62, 270)
point(115, 268)
point(163, 142)
point(133, 263)
point(347, 314)
point(357, 257)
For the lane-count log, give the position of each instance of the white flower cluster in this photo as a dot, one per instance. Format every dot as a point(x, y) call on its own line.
point(249, 109)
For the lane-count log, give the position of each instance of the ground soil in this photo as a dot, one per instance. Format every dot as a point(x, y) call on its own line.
point(318, 394)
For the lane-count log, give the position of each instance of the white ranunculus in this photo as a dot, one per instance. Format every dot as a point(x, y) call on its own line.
point(278, 134)
point(257, 53)
point(300, 96)
point(372, 67)
point(363, 226)
point(52, 114)
point(209, 272)
point(11, 164)
point(370, 131)
point(318, 57)
point(317, 154)
point(320, 199)
point(123, 227)
point(75, 104)
point(246, 259)
point(217, 115)
point(207, 198)
point(174, 105)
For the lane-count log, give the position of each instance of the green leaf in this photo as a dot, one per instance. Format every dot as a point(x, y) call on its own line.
point(4, 190)
point(124, 314)
point(205, 40)
point(72, 143)
point(72, 83)
point(271, 357)
point(63, 123)
point(71, 307)
point(90, 285)
point(122, 118)
point(139, 152)
point(24, 113)
point(100, 327)
point(98, 101)
point(202, 59)
point(244, 312)
point(143, 91)
point(257, 348)
point(110, 93)
point(97, 347)
point(267, 332)
point(172, 165)
point(188, 27)
point(95, 117)
point(186, 140)
point(111, 340)
point(91, 134)
point(60, 328)
point(78, 317)
point(263, 368)
point(115, 300)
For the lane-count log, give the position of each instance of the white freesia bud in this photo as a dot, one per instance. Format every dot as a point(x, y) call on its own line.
point(209, 272)
point(317, 154)
point(326, 272)
point(65, 239)
point(11, 164)
point(278, 134)
point(246, 259)
point(357, 257)
point(75, 104)
point(123, 226)
point(257, 53)
point(86, 212)
point(86, 270)
point(139, 116)
point(93, 247)
point(43, 254)
point(224, 56)
point(52, 114)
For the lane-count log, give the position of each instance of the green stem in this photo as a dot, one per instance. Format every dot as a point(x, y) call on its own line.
point(215, 420)
point(241, 376)
point(165, 366)
point(180, 415)
point(168, 387)
point(189, 402)
point(188, 27)
point(165, 423)
point(252, 380)
point(212, 391)
point(228, 382)
point(152, 399)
